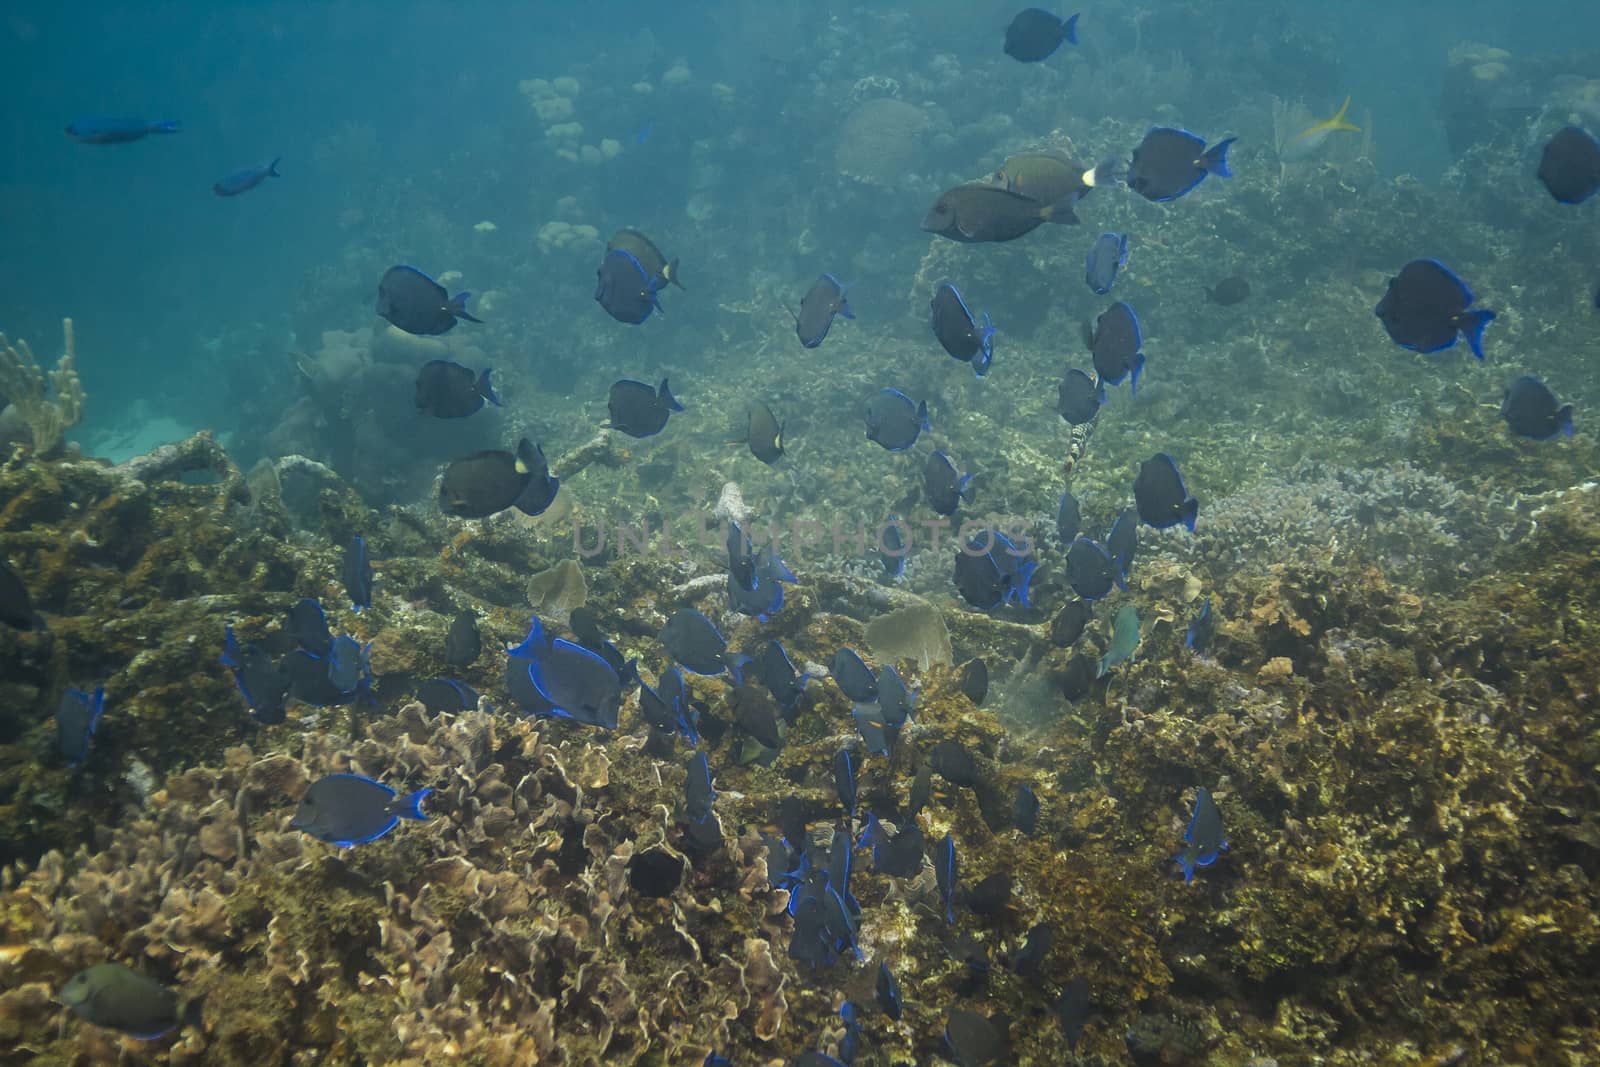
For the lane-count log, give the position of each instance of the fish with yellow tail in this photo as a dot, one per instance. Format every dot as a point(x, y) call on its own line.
point(1310, 140)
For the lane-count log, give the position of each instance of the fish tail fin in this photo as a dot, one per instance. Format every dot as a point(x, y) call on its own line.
point(166, 126)
point(1189, 512)
point(486, 390)
point(964, 487)
point(1216, 158)
point(1338, 121)
point(272, 168)
point(1106, 172)
point(664, 394)
point(844, 306)
point(527, 458)
point(1564, 420)
point(1473, 323)
point(670, 272)
point(736, 665)
point(1100, 389)
point(410, 805)
point(1138, 368)
point(1061, 212)
point(189, 1012)
point(1070, 29)
point(922, 415)
point(458, 307)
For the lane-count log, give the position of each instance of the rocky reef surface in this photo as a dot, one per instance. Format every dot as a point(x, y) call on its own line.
point(1403, 754)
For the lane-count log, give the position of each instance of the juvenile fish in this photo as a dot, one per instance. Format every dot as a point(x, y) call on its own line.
point(242, 181)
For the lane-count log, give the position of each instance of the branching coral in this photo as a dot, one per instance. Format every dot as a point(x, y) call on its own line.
point(50, 404)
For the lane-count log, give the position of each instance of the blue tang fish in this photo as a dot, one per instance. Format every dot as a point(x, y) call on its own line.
point(413, 302)
point(242, 181)
point(1203, 840)
point(349, 809)
point(77, 716)
point(117, 129)
point(1427, 306)
point(822, 302)
point(357, 574)
point(1170, 162)
point(893, 421)
point(888, 992)
point(1107, 256)
point(1035, 34)
point(625, 289)
point(959, 333)
point(1114, 341)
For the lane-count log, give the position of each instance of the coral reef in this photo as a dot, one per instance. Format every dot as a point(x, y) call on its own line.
point(48, 404)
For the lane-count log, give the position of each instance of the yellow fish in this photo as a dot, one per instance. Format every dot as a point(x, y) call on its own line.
point(1306, 143)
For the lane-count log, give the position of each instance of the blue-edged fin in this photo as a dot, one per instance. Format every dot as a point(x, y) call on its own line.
point(1472, 325)
point(486, 390)
point(458, 308)
point(664, 394)
point(1215, 159)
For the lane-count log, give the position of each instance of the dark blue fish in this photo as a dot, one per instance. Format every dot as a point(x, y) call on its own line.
point(1202, 629)
point(242, 181)
point(1170, 162)
point(1073, 1010)
point(901, 855)
point(947, 872)
point(308, 625)
point(1160, 496)
point(839, 921)
point(1070, 622)
point(854, 678)
point(1069, 517)
point(357, 574)
point(850, 1043)
point(347, 664)
point(822, 302)
point(625, 289)
point(1030, 958)
point(1203, 840)
point(1532, 410)
point(1035, 34)
point(888, 991)
point(1090, 570)
point(464, 643)
point(974, 683)
point(712, 1059)
point(76, 718)
point(1569, 166)
point(1427, 306)
point(1025, 810)
point(951, 760)
point(263, 686)
point(122, 999)
point(447, 696)
point(310, 681)
point(877, 735)
point(844, 780)
point(1115, 342)
point(959, 332)
point(1079, 397)
point(897, 701)
point(892, 546)
point(776, 671)
point(893, 421)
point(755, 584)
point(579, 684)
point(117, 129)
point(757, 715)
point(413, 302)
point(696, 644)
point(16, 606)
point(1107, 256)
point(349, 809)
point(447, 390)
point(1123, 541)
point(974, 1040)
point(977, 576)
point(640, 138)
point(921, 790)
point(638, 410)
point(697, 791)
point(943, 485)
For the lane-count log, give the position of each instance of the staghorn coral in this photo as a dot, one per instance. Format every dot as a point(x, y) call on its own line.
point(49, 404)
